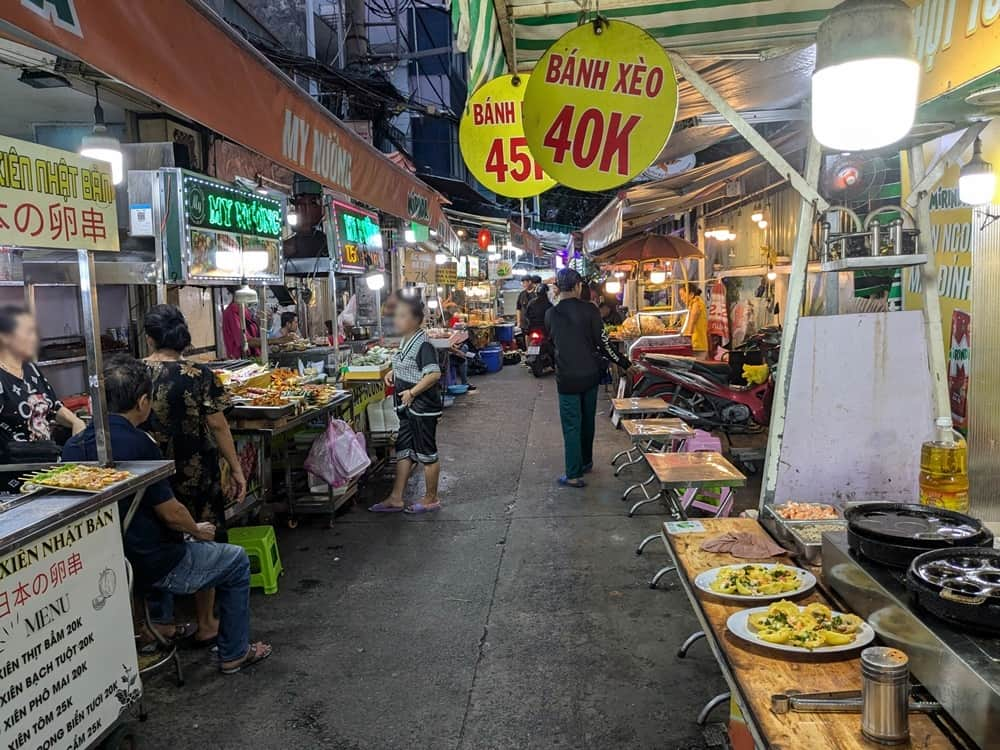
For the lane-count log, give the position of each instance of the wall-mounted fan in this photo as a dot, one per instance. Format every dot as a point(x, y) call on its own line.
point(853, 177)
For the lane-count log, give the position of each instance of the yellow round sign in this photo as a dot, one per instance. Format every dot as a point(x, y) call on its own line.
point(491, 136)
point(600, 105)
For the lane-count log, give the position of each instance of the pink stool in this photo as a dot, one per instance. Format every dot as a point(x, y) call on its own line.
point(717, 502)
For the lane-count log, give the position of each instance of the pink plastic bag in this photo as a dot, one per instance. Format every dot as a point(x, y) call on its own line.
point(338, 455)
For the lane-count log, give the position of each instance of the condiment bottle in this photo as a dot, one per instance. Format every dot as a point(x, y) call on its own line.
point(885, 695)
point(944, 473)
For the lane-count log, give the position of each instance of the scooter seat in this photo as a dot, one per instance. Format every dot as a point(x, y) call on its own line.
point(706, 367)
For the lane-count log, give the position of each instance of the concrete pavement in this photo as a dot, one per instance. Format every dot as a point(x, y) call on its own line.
point(517, 617)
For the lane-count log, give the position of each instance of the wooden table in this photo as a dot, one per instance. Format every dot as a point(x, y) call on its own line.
point(646, 434)
point(755, 674)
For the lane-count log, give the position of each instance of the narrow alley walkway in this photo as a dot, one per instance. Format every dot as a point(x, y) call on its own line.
point(519, 617)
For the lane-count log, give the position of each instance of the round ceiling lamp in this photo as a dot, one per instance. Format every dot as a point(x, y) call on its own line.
point(864, 90)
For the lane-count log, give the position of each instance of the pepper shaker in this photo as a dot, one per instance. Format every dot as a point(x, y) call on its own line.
point(885, 694)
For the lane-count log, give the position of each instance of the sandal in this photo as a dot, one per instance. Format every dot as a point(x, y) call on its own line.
point(383, 508)
point(578, 483)
point(182, 632)
point(255, 654)
point(418, 508)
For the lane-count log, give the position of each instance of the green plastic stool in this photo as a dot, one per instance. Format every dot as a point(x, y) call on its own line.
point(261, 547)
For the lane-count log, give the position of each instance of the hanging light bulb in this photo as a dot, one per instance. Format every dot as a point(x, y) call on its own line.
point(292, 217)
point(657, 277)
point(103, 146)
point(730, 234)
point(432, 304)
point(409, 236)
point(771, 273)
point(865, 62)
point(611, 286)
point(762, 223)
point(710, 234)
point(977, 182)
point(758, 213)
point(619, 274)
point(261, 190)
point(440, 259)
point(375, 280)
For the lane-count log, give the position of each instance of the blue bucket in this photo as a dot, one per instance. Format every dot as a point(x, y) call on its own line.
point(505, 333)
point(492, 357)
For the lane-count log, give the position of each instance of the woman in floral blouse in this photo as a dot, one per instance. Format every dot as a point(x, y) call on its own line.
point(189, 423)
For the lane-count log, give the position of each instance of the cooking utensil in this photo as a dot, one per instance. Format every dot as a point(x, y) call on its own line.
point(837, 702)
point(960, 585)
point(894, 533)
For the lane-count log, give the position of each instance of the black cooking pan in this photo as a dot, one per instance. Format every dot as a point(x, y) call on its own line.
point(894, 533)
point(960, 585)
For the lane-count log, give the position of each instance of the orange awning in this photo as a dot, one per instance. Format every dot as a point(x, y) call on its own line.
point(180, 53)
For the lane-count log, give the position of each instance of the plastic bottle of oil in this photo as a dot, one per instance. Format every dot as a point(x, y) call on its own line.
point(944, 474)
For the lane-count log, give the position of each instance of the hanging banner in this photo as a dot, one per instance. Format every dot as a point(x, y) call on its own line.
point(491, 137)
point(447, 274)
point(55, 199)
point(355, 244)
point(600, 105)
point(419, 268)
point(523, 239)
point(958, 369)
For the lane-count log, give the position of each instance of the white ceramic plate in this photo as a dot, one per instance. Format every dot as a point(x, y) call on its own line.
point(738, 626)
point(704, 580)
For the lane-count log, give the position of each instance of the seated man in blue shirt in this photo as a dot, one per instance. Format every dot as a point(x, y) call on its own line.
point(155, 543)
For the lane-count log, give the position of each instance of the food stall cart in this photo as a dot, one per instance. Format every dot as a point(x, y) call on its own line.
point(756, 673)
point(67, 656)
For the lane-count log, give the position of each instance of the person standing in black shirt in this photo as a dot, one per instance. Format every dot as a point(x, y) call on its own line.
point(576, 329)
point(527, 292)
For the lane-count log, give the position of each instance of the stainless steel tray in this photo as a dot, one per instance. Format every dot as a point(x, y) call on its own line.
point(245, 411)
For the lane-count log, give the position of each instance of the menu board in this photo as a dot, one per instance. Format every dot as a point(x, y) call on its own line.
point(355, 244)
point(67, 654)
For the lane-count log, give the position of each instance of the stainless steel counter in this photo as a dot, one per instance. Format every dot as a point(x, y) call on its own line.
point(43, 513)
point(960, 669)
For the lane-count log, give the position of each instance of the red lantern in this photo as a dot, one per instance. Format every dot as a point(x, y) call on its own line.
point(484, 238)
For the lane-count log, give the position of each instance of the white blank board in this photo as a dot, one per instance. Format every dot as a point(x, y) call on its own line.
point(859, 408)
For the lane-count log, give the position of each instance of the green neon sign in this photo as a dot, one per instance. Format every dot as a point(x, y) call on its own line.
point(214, 205)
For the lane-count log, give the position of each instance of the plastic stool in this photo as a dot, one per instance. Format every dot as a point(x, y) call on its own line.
point(261, 545)
point(718, 503)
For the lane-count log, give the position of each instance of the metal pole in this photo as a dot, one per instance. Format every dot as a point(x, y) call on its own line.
point(95, 364)
point(333, 319)
point(262, 322)
point(159, 198)
point(936, 361)
point(311, 41)
point(793, 311)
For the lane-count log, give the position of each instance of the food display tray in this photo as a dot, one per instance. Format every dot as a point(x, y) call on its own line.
point(245, 411)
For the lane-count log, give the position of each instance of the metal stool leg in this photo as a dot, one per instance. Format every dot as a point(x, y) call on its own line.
point(639, 504)
point(659, 574)
point(644, 542)
point(691, 640)
point(711, 706)
point(170, 651)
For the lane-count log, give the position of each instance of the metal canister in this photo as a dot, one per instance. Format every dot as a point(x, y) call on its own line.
point(885, 692)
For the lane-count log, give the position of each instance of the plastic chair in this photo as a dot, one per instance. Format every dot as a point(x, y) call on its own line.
point(261, 545)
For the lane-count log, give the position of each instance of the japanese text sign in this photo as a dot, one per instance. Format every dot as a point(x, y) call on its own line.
point(600, 105)
point(55, 199)
point(491, 137)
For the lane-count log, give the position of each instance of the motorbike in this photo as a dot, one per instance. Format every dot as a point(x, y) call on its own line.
point(540, 354)
point(713, 395)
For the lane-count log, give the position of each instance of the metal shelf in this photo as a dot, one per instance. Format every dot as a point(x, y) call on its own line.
point(59, 362)
point(880, 263)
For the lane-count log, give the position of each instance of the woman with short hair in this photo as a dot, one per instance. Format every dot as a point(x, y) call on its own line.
point(414, 376)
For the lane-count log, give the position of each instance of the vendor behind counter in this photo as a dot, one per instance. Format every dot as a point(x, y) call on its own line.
point(28, 404)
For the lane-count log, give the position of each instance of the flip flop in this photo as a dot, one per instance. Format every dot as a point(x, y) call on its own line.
point(578, 483)
point(383, 508)
point(253, 657)
point(418, 508)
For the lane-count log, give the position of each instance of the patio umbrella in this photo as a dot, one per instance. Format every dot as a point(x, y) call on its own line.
point(648, 247)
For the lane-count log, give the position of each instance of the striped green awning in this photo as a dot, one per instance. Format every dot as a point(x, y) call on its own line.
point(694, 26)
